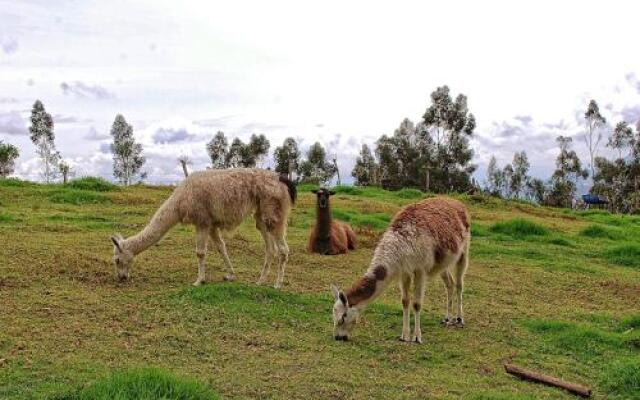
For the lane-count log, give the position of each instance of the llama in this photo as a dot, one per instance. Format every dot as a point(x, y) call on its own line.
point(329, 237)
point(216, 201)
point(424, 239)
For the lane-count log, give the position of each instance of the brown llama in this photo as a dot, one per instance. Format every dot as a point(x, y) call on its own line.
point(425, 239)
point(329, 237)
point(215, 201)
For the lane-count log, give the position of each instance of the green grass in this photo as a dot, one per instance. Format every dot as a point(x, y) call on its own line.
point(519, 227)
point(409, 194)
point(14, 182)
point(92, 183)
point(5, 217)
point(625, 254)
point(622, 378)
point(553, 302)
point(142, 384)
point(377, 221)
point(76, 197)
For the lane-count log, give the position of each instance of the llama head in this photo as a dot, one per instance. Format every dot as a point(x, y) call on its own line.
point(122, 258)
point(322, 195)
point(344, 317)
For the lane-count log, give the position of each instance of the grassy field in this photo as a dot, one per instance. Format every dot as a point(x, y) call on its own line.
point(548, 289)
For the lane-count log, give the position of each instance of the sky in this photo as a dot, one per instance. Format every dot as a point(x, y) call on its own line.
point(342, 73)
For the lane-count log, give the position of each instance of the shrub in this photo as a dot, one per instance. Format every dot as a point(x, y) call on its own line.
point(519, 227)
point(599, 231)
point(4, 217)
point(147, 383)
point(94, 183)
point(76, 197)
point(409, 194)
point(626, 254)
point(15, 182)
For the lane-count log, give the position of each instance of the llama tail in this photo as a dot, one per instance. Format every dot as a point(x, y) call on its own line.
point(291, 187)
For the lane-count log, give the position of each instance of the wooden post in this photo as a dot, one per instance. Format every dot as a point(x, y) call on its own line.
point(548, 380)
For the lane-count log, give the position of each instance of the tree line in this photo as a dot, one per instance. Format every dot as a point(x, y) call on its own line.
point(433, 155)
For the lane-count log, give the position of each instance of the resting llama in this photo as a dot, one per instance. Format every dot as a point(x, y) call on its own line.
point(215, 201)
point(329, 237)
point(424, 239)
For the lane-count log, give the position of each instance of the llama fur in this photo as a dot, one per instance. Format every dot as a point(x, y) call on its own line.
point(215, 201)
point(425, 239)
point(328, 236)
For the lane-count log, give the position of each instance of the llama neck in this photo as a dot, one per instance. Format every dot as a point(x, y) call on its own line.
point(323, 222)
point(370, 286)
point(163, 220)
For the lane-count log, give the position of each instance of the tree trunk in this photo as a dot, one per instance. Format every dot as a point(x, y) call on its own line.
point(65, 176)
point(428, 183)
point(335, 164)
point(184, 168)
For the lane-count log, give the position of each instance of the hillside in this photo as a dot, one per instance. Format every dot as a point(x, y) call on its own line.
point(549, 289)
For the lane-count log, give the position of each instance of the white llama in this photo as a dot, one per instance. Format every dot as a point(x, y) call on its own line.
point(424, 239)
point(213, 201)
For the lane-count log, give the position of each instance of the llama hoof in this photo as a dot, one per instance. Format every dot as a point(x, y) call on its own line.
point(445, 321)
point(417, 340)
point(198, 283)
point(404, 338)
point(459, 323)
point(277, 285)
point(230, 277)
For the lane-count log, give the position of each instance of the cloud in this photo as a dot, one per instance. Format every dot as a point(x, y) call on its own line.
point(68, 119)
point(631, 114)
point(219, 122)
point(83, 90)
point(260, 127)
point(8, 100)
point(93, 134)
point(105, 148)
point(12, 123)
point(525, 119)
point(164, 135)
point(9, 45)
point(633, 80)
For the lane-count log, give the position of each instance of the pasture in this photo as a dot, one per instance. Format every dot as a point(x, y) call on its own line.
point(553, 290)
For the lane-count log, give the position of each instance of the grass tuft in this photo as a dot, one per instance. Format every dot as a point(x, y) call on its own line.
point(351, 190)
point(142, 384)
point(560, 241)
point(519, 227)
point(15, 182)
point(76, 197)
point(627, 255)
point(92, 183)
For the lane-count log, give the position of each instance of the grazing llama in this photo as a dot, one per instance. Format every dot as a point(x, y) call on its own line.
point(424, 239)
point(215, 201)
point(329, 237)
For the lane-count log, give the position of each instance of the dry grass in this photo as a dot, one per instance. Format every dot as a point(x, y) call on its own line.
point(561, 308)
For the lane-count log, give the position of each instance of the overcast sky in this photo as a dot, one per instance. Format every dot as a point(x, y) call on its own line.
point(341, 73)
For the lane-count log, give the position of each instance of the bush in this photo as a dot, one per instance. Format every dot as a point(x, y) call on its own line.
point(148, 383)
point(76, 197)
point(409, 194)
point(352, 190)
point(94, 183)
point(15, 182)
point(626, 254)
point(519, 227)
point(599, 231)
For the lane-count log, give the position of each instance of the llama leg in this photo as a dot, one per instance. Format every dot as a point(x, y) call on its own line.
point(405, 285)
point(201, 252)
point(222, 249)
point(461, 268)
point(418, 296)
point(448, 283)
point(283, 257)
point(268, 252)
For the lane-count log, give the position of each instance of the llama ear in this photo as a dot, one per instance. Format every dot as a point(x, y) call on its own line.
point(116, 239)
point(336, 292)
